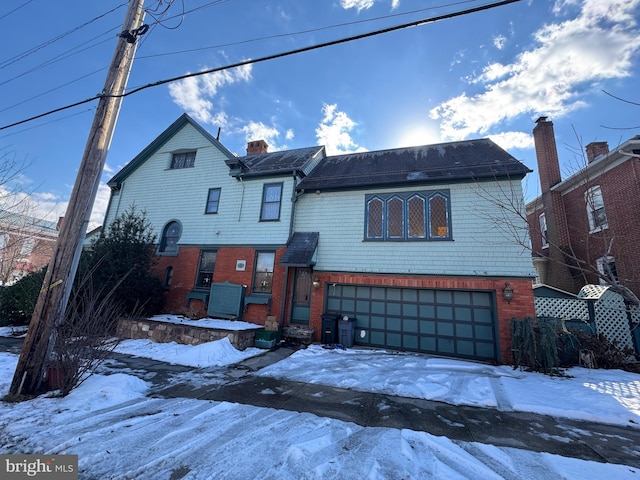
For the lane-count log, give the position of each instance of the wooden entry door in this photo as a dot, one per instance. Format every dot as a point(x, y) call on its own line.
point(301, 296)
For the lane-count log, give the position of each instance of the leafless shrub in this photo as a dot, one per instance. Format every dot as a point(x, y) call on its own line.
point(86, 337)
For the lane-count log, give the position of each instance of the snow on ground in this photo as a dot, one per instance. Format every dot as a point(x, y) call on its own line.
point(120, 433)
point(212, 354)
point(607, 396)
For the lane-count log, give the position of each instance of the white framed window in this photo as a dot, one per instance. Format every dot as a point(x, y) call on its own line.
point(271, 197)
point(543, 230)
point(607, 267)
point(595, 209)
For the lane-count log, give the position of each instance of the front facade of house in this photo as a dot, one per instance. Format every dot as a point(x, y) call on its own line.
point(405, 241)
point(586, 227)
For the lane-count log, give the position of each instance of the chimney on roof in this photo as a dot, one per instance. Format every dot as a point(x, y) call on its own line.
point(544, 139)
point(595, 149)
point(256, 147)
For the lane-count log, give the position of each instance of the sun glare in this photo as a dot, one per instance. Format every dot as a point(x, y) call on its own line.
point(416, 136)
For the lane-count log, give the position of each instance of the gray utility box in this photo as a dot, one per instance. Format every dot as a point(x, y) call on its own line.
point(329, 328)
point(347, 331)
point(226, 300)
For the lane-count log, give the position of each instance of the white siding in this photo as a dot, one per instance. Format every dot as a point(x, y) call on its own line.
point(181, 194)
point(484, 241)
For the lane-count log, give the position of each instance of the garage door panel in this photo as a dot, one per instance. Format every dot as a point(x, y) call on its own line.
point(483, 316)
point(363, 306)
point(410, 310)
point(410, 325)
point(427, 311)
point(485, 350)
point(394, 324)
point(378, 322)
point(444, 313)
point(445, 345)
point(445, 328)
point(465, 347)
point(428, 327)
point(394, 340)
point(428, 344)
point(410, 342)
point(377, 338)
point(447, 322)
point(464, 330)
point(463, 314)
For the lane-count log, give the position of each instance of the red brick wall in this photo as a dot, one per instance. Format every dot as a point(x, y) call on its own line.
point(185, 268)
point(521, 306)
point(620, 187)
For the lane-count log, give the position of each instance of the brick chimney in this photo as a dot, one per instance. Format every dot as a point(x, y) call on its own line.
point(558, 274)
point(546, 153)
point(256, 147)
point(595, 149)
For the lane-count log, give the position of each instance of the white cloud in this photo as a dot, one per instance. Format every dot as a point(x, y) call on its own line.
point(260, 131)
point(510, 140)
point(364, 4)
point(195, 94)
point(357, 4)
point(334, 131)
point(600, 43)
point(499, 41)
point(289, 135)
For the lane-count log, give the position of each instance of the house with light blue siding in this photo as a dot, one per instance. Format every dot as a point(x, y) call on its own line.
point(217, 217)
point(416, 246)
point(413, 246)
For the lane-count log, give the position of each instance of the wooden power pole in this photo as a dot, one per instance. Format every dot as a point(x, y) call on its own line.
point(52, 301)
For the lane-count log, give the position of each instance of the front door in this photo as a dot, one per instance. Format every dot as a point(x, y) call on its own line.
point(301, 296)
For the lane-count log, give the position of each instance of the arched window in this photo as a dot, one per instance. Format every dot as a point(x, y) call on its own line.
point(416, 217)
point(170, 236)
point(395, 218)
point(438, 218)
point(374, 218)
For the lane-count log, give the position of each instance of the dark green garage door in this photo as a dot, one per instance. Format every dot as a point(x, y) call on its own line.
point(446, 322)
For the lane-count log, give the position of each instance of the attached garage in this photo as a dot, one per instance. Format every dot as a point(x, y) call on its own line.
point(454, 323)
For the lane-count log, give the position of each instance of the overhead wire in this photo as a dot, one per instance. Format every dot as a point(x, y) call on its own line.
point(352, 38)
point(303, 32)
point(16, 9)
point(32, 50)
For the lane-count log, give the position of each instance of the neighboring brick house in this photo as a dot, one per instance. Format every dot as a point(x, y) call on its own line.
point(26, 245)
point(587, 225)
point(403, 240)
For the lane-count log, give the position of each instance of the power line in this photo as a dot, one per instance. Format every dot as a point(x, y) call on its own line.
point(16, 9)
point(302, 32)
point(361, 36)
point(32, 50)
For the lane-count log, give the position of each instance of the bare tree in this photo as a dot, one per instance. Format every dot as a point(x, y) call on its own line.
point(26, 242)
point(519, 220)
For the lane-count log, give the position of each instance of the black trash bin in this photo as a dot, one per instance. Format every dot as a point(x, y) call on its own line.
point(329, 328)
point(347, 330)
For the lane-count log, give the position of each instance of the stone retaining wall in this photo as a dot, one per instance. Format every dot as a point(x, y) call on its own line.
point(163, 332)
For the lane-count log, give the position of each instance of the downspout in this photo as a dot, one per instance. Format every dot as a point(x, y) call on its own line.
point(241, 197)
point(283, 303)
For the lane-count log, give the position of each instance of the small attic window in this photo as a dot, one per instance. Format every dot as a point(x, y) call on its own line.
point(183, 160)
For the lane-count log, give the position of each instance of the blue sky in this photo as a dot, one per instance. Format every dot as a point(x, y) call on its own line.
point(487, 74)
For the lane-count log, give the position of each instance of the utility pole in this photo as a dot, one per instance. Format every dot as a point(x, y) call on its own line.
point(56, 288)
